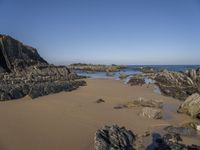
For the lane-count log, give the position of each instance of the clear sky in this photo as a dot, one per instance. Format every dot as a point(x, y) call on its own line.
point(106, 31)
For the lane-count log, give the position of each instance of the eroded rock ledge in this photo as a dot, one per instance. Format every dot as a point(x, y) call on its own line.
point(23, 72)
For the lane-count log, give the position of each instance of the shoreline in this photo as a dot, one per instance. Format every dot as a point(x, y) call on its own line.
point(70, 119)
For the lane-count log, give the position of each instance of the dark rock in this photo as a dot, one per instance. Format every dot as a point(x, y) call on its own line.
point(177, 84)
point(23, 72)
point(100, 101)
point(120, 106)
point(169, 142)
point(114, 138)
point(184, 131)
point(14, 55)
point(136, 81)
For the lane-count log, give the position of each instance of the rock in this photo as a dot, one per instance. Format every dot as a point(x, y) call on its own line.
point(120, 106)
point(177, 84)
point(151, 113)
point(135, 80)
point(191, 105)
point(123, 76)
point(100, 101)
point(172, 140)
point(114, 138)
point(169, 142)
point(14, 55)
point(184, 131)
point(142, 102)
point(194, 125)
point(23, 72)
point(97, 68)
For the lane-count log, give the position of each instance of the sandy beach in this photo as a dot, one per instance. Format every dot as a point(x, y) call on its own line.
point(69, 120)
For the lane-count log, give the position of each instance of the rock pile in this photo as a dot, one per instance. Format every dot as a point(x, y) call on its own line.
point(23, 72)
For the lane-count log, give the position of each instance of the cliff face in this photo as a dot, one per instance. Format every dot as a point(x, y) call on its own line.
point(14, 55)
point(23, 72)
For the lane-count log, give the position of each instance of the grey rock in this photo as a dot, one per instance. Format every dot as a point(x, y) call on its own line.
point(151, 113)
point(184, 131)
point(114, 138)
point(191, 105)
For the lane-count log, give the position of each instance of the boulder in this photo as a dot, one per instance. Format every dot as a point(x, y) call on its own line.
point(191, 105)
point(151, 113)
point(114, 138)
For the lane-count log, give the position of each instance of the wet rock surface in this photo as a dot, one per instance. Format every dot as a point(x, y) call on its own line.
point(23, 72)
point(191, 105)
point(114, 138)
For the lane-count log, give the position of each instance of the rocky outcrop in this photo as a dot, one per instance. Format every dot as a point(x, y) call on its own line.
point(177, 84)
point(191, 105)
point(23, 72)
point(114, 138)
point(15, 56)
point(96, 68)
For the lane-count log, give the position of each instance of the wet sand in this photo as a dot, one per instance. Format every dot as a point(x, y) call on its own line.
point(69, 120)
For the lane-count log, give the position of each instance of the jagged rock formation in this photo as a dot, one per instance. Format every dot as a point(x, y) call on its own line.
point(114, 138)
point(23, 72)
point(176, 84)
point(179, 85)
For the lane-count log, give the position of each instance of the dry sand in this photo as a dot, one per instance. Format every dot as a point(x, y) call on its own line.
point(69, 120)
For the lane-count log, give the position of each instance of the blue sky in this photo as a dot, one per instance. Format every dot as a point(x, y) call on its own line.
point(106, 31)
